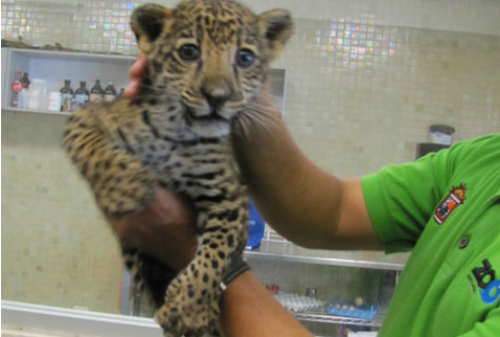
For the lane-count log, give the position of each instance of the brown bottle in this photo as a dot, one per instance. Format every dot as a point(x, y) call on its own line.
point(96, 93)
point(109, 93)
point(25, 81)
point(67, 96)
point(81, 95)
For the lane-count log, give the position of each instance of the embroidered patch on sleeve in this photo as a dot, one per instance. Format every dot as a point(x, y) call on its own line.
point(454, 199)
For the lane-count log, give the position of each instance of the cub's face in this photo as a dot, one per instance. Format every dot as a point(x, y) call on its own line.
point(208, 59)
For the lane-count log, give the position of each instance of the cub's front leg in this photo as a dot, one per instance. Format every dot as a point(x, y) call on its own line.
point(120, 183)
point(192, 300)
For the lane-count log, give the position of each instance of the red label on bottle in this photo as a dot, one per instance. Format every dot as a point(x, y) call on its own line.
point(17, 86)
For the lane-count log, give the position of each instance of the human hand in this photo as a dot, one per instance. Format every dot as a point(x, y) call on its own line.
point(164, 229)
point(264, 100)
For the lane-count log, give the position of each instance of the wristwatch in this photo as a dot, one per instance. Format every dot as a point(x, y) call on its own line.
point(237, 266)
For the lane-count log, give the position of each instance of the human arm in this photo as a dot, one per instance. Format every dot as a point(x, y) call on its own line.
point(304, 203)
point(301, 201)
point(165, 229)
point(249, 309)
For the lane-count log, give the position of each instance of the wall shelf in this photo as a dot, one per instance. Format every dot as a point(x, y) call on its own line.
point(274, 246)
point(320, 317)
point(47, 112)
point(56, 66)
point(292, 253)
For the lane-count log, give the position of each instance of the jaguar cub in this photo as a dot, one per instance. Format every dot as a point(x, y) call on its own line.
point(207, 60)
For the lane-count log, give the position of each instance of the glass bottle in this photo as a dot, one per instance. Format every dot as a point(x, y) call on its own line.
point(96, 93)
point(109, 93)
point(25, 81)
point(67, 96)
point(81, 95)
point(16, 89)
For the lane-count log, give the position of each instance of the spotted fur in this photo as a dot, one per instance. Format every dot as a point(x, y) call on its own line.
point(207, 60)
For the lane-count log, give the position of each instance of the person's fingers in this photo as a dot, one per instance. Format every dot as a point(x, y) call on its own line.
point(266, 87)
point(136, 73)
point(139, 67)
point(132, 89)
point(265, 97)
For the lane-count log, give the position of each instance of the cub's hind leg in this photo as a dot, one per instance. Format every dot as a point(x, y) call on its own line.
point(150, 274)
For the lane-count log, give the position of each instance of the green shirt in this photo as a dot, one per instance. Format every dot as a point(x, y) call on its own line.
point(445, 207)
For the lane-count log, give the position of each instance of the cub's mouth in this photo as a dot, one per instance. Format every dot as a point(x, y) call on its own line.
point(213, 116)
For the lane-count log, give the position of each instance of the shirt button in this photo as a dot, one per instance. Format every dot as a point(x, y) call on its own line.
point(463, 243)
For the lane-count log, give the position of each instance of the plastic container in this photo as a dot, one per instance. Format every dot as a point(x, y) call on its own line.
point(441, 134)
point(54, 103)
point(37, 94)
point(256, 227)
point(23, 99)
point(16, 88)
point(348, 309)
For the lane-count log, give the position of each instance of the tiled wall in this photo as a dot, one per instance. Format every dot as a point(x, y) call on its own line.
point(360, 96)
point(56, 249)
point(365, 81)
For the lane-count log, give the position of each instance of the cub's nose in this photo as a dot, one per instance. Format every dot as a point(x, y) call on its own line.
point(216, 98)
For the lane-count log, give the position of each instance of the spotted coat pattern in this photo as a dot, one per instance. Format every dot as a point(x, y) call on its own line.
point(207, 60)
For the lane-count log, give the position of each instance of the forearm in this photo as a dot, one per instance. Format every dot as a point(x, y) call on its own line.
point(301, 201)
point(249, 309)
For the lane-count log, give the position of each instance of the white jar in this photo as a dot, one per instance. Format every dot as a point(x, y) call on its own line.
point(441, 134)
point(35, 99)
point(23, 99)
point(54, 103)
point(37, 94)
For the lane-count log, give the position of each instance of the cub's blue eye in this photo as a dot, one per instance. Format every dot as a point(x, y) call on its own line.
point(245, 58)
point(189, 52)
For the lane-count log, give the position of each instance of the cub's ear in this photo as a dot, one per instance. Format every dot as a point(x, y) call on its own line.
point(277, 27)
point(148, 21)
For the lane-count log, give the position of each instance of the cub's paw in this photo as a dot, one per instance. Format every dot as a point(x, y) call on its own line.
point(188, 310)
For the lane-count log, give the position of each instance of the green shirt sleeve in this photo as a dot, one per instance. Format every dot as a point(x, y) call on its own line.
point(490, 327)
point(401, 198)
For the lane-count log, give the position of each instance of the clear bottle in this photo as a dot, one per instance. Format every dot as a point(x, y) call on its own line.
point(109, 93)
point(67, 96)
point(16, 88)
point(23, 95)
point(96, 93)
point(82, 96)
point(23, 99)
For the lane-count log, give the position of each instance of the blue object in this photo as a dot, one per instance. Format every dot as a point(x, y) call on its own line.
point(255, 227)
point(364, 312)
